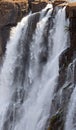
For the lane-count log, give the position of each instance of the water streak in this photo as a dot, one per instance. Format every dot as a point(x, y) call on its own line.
point(26, 91)
point(70, 118)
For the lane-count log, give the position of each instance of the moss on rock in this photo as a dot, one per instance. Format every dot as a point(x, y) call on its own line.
point(56, 121)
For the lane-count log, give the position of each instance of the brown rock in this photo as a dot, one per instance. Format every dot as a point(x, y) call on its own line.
point(11, 11)
point(59, 2)
point(38, 6)
point(71, 10)
point(71, 13)
point(10, 14)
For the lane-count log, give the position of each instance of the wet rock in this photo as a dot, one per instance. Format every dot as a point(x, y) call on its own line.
point(71, 9)
point(38, 6)
point(67, 74)
point(56, 121)
point(10, 14)
point(59, 2)
point(59, 107)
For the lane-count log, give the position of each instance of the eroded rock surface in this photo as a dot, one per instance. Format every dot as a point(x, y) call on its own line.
point(67, 76)
point(10, 14)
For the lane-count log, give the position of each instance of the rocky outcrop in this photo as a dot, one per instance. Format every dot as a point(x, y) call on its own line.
point(71, 13)
point(67, 75)
point(56, 121)
point(37, 6)
point(10, 14)
point(59, 2)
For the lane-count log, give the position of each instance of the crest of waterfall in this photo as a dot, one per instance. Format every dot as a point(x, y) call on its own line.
point(71, 114)
point(72, 0)
point(31, 69)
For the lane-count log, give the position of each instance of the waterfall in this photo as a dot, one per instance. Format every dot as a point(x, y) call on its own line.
point(30, 70)
point(7, 71)
point(72, 1)
point(71, 114)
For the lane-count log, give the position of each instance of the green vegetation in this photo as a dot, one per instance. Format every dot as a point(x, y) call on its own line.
point(56, 121)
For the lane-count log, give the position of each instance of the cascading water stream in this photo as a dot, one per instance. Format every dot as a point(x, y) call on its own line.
point(30, 71)
point(71, 112)
point(8, 68)
point(72, 0)
point(70, 123)
point(41, 88)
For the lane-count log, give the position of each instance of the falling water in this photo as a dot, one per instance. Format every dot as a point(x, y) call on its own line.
point(70, 123)
point(72, 0)
point(30, 70)
point(8, 68)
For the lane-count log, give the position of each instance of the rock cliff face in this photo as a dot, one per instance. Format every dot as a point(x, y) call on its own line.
point(67, 77)
point(37, 6)
point(10, 14)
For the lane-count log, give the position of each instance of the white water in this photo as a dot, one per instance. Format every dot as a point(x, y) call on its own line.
point(70, 124)
point(72, 107)
point(7, 71)
point(35, 48)
point(72, 1)
point(44, 10)
point(37, 105)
